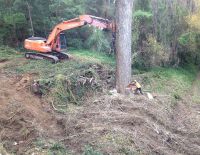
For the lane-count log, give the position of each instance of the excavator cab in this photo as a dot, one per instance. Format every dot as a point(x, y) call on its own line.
point(61, 43)
point(53, 54)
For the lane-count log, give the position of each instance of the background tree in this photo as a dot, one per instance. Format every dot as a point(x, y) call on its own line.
point(123, 43)
point(165, 32)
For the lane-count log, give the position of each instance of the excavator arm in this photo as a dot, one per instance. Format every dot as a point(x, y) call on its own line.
point(51, 44)
point(78, 22)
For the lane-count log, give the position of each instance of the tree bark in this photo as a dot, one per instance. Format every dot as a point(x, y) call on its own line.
point(123, 43)
point(155, 17)
point(30, 17)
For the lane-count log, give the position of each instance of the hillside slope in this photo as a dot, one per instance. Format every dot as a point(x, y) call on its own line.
point(112, 124)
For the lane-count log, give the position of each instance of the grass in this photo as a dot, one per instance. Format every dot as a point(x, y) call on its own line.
point(175, 82)
point(45, 69)
point(43, 147)
point(195, 90)
point(92, 56)
point(83, 59)
point(66, 89)
point(169, 81)
point(54, 148)
point(8, 53)
point(90, 151)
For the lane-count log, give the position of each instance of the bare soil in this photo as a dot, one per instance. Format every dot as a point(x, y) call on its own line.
point(117, 124)
point(23, 116)
point(113, 124)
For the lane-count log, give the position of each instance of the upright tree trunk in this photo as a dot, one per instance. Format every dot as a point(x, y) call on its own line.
point(155, 17)
point(30, 18)
point(123, 43)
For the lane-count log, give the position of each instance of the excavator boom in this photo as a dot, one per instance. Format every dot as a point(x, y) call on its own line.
point(78, 22)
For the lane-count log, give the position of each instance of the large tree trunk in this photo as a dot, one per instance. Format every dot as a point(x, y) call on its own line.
point(123, 43)
point(155, 17)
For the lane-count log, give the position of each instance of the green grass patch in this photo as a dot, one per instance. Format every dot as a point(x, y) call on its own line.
point(92, 56)
point(170, 81)
point(90, 151)
point(46, 69)
point(83, 59)
point(8, 53)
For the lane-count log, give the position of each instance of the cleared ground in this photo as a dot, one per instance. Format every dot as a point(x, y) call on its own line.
point(111, 124)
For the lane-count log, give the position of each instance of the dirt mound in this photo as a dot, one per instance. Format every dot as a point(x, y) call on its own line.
point(24, 117)
point(119, 125)
point(17, 130)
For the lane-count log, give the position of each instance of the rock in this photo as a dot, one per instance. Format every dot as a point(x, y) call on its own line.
point(150, 96)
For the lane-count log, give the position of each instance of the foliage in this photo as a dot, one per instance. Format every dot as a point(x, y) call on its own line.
point(170, 23)
point(155, 54)
point(139, 14)
point(193, 19)
point(98, 41)
point(57, 149)
point(190, 40)
point(163, 20)
point(15, 21)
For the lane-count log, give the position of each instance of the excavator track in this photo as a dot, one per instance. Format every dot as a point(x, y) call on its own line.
point(60, 55)
point(54, 57)
point(41, 56)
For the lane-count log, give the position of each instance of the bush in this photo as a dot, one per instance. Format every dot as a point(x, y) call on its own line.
point(76, 43)
point(98, 41)
point(155, 54)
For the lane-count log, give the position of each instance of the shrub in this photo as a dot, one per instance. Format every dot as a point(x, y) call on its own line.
point(155, 54)
point(98, 41)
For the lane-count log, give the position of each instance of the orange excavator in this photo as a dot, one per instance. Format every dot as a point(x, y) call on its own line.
point(53, 47)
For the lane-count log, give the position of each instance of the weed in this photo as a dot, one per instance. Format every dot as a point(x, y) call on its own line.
point(40, 143)
point(177, 97)
point(57, 149)
point(90, 151)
